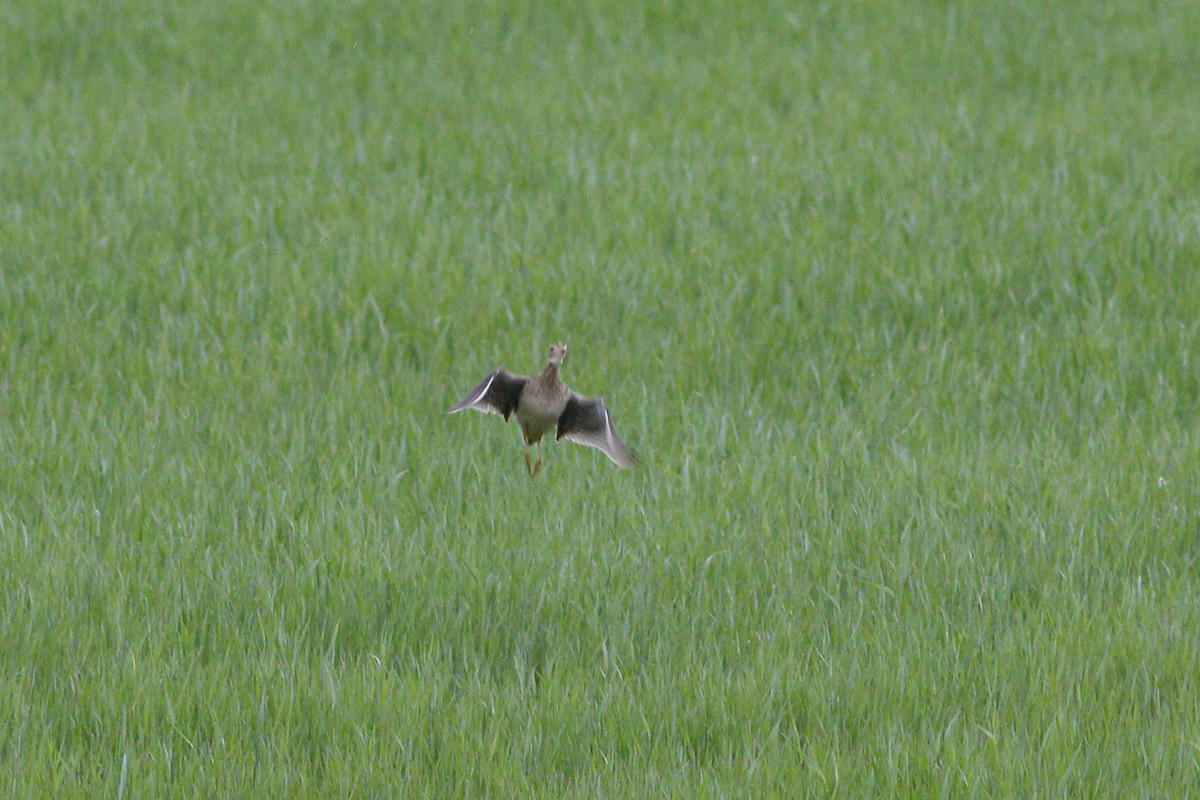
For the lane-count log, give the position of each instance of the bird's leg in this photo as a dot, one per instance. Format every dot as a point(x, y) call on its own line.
point(528, 462)
point(537, 464)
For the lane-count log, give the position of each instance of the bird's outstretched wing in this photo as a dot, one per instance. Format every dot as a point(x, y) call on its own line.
point(585, 420)
point(498, 393)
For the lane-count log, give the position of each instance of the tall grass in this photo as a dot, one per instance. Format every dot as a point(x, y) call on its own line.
point(896, 301)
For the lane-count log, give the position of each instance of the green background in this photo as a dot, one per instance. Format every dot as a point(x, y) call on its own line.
point(897, 302)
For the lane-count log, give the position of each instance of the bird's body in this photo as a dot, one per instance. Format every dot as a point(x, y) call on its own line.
point(543, 403)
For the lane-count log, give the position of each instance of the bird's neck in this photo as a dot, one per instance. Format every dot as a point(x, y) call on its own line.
point(550, 372)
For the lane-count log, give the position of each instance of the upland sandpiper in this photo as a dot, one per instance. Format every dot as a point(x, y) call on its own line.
point(543, 403)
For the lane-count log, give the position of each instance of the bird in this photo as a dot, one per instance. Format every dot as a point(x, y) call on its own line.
point(543, 403)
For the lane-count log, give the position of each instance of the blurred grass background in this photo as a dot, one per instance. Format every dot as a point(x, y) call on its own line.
point(896, 301)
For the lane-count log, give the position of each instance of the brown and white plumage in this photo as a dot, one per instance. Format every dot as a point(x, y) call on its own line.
point(586, 420)
point(543, 403)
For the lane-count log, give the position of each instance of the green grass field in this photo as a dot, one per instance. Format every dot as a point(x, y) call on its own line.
point(897, 302)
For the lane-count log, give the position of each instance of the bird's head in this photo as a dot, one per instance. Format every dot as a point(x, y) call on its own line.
point(558, 354)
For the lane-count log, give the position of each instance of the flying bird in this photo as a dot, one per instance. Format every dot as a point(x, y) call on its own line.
point(543, 403)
